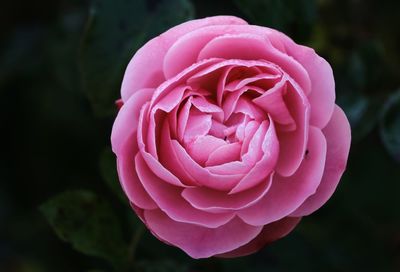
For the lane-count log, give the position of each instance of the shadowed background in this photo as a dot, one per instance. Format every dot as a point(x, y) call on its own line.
point(61, 64)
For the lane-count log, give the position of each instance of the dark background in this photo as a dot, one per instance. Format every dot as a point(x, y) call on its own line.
point(61, 63)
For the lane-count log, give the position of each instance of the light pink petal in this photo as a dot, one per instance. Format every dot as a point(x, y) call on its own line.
point(151, 56)
point(225, 69)
point(255, 135)
point(288, 193)
point(224, 154)
point(129, 179)
point(250, 129)
point(171, 100)
point(127, 119)
point(203, 146)
point(338, 138)
point(169, 159)
point(230, 102)
point(205, 106)
point(217, 129)
point(169, 85)
point(237, 46)
point(269, 234)
point(273, 103)
point(215, 201)
point(245, 106)
point(265, 166)
point(293, 143)
point(169, 200)
point(255, 146)
point(183, 116)
point(322, 96)
point(204, 176)
point(198, 124)
point(224, 33)
point(153, 163)
point(263, 80)
point(153, 130)
point(200, 242)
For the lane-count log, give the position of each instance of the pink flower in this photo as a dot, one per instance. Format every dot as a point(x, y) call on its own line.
point(228, 135)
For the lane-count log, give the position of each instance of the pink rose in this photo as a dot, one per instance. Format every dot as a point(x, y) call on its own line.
point(228, 135)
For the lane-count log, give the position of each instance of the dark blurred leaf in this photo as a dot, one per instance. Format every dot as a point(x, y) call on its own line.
point(114, 31)
point(108, 169)
point(390, 125)
point(168, 13)
point(295, 16)
point(362, 112)
point(15, 53)
point(88, 223)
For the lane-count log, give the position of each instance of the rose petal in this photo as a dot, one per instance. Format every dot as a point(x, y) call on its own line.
point(129, 180)
point(197, 241)
point(223, 154)
point(203, 146)
point(338, 138)
point(169, 200)
point(198, 124)
point(169, 159)
point(215, 201)
point(288, 193)
point(154, 164)
point(322, 96)
point(128, 114)
point(265, 165)
point(151, 56)
point(293, 143)
point(273, 103)
point(202, 175)
point(269, 234)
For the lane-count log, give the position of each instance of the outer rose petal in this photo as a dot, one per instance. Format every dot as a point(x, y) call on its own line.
point(322, 96)
point(207, 34)
point(126, 123)
point(129, 180)
point(200, 242)
point(169, 200)
point(269, 234)
point(338, 138)
point(288, 193)
point(151, 56)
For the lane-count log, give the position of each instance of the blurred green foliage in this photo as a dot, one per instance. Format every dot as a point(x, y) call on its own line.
point(61, 64)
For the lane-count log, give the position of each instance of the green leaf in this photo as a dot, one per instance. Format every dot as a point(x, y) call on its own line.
point(108, 170)
point(390, 125)
point(114, 31)
point(88, 223)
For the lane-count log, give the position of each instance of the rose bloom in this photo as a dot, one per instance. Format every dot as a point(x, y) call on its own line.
point(227, 136)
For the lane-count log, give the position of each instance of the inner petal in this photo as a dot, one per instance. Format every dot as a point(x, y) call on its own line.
point(203, 146)
point(198, 124)
point(224, 154)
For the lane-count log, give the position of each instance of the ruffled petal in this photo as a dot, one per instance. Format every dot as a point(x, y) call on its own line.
point(338, 138)
point(151, 56)
point(269, 234)
point(169, 200)
point(293, 143)
point(288, 193)
point(127, 119)
point(322, 96)
point(216, 201)
point(129, 180)
point(200, 242)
